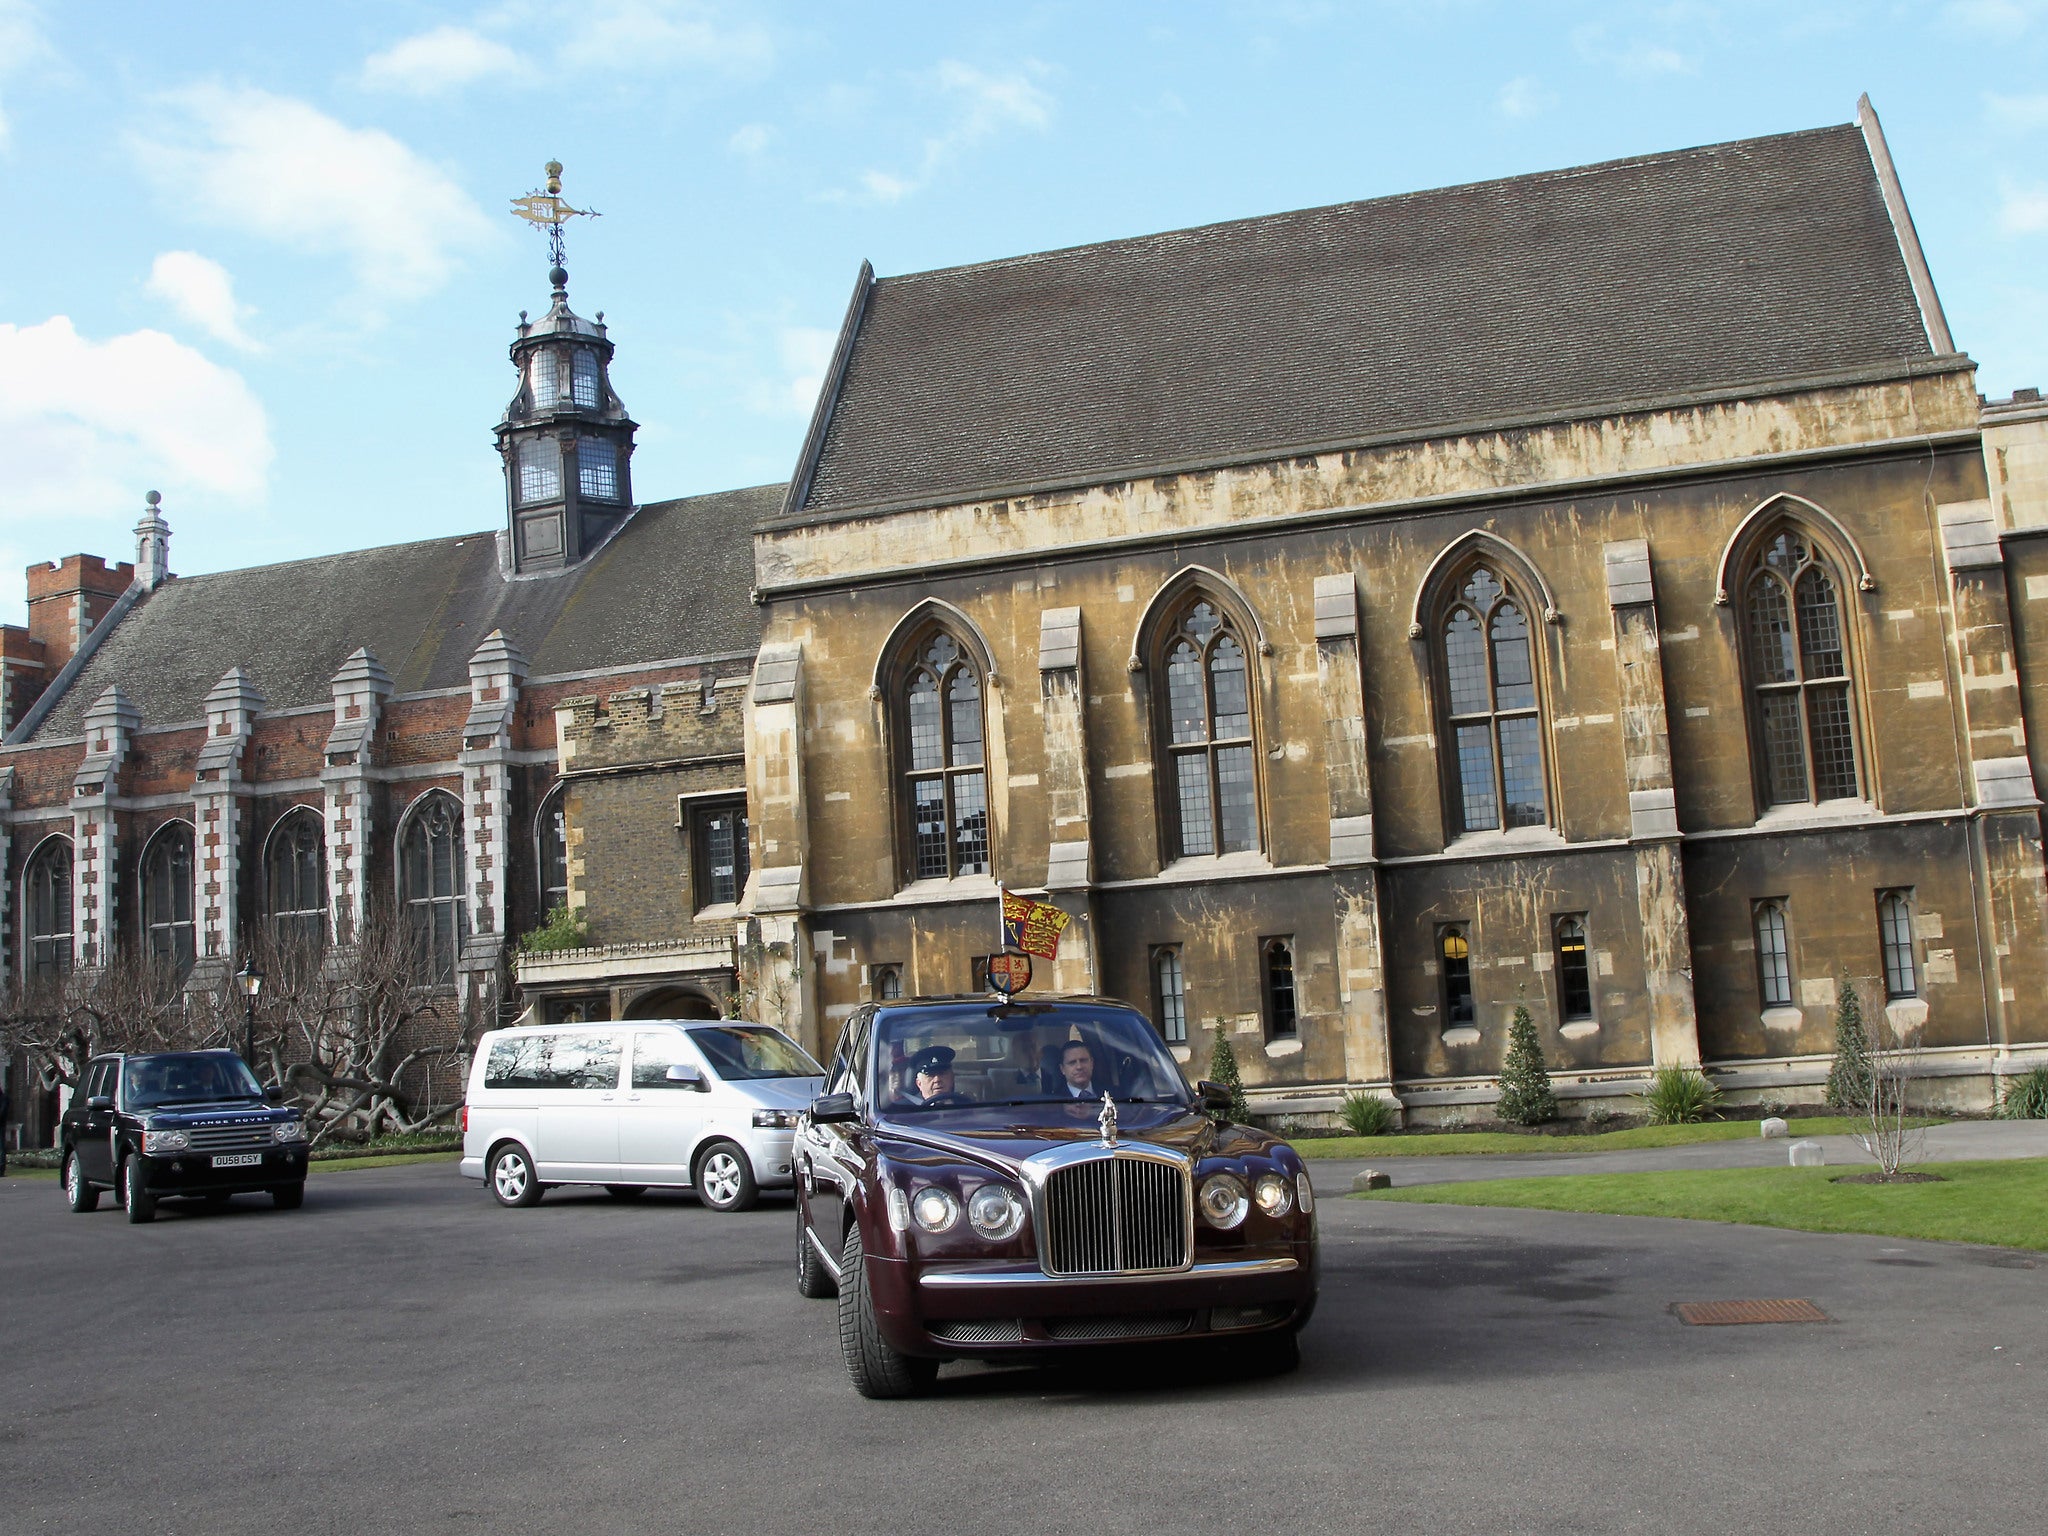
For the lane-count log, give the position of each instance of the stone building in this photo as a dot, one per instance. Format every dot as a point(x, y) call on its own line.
point(284, 747)
point(1585, 590)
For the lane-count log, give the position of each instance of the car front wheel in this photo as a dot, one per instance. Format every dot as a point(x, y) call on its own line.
point(877, 1369)
point(725, 1178)
point(140, 1202)
point(513, 1181)
point(813, 1280)
point(81, 1196)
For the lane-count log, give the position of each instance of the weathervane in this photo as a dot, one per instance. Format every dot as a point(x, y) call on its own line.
point(547, 208)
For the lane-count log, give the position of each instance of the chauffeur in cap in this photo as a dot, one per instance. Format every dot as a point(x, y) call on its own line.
point(932, 1070)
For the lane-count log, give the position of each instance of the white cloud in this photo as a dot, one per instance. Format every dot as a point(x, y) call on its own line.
point(277, 168)
point(636, 36)
point(1636, 59)
point(2017, 112)
point(978, 106)
point(202, 292)
point(90, 426)
point(439, 61)
point(1524, 96)
point(750, 141)
point(22, 46)
point(1998, 18)
point(2023, 210)
point(806, 354)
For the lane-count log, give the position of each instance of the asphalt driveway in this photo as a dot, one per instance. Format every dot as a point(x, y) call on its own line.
point(404, 1356)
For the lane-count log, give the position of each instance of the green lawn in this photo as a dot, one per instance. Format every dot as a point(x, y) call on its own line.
point(1447, 1143)
point(2004, 1204)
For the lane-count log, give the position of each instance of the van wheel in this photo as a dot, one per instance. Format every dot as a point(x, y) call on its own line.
point(725, 1178)
point(813, 1280)
point(876, 1369)
point(140, 1202)
point(512, 1177)
point(81, 1196)
point(625, 1191)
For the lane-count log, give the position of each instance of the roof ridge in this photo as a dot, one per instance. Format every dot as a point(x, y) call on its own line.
point(1525, 178)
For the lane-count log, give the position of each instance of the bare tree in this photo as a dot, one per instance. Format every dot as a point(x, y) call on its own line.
point(1880, 1102)
point(132, 1003)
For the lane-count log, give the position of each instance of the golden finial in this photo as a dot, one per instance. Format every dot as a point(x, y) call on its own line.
point(547, 210)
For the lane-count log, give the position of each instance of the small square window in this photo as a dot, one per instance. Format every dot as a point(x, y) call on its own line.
point(1773, 954)
point(885, 983)
point(597, 470)
point(1895, 936)
point(1277, 956)
point(540, 471)
point(718, 839)
point(1574, 978)
point(1455, 952)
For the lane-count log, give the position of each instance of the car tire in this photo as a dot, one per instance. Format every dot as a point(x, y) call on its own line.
point(141, 1204)
point(513, 1179)
point(877, 1369)
point(814, 1281)
point(724, 1178)
point(625, 1191)
point(79, 1194)
point(288, 1197)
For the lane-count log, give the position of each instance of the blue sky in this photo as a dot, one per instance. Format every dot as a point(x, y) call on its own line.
point(260, 256)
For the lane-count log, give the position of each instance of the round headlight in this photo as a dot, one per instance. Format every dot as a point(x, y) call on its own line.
point(1273, 1195)
point(995, 1213)
point(289, 1130)
point(934, 1209)
point(1223, 1200)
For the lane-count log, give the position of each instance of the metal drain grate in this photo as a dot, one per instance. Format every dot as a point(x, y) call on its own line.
point(1714, 1314)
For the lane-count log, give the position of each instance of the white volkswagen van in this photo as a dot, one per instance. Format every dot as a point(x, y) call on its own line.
point(701, 1104)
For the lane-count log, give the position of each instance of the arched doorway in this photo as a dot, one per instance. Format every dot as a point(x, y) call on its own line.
point(672, 1003)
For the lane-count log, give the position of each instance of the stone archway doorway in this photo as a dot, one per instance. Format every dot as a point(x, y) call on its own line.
point(672, 1003)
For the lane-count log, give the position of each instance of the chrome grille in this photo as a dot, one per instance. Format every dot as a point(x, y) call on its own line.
point(1144, 1325)
point(1115, 1215)
point(232, 1138)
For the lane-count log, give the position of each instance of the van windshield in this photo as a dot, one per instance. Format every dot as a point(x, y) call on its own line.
point(739, 1052)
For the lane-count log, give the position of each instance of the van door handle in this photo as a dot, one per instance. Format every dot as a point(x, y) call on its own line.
point(607, 1098)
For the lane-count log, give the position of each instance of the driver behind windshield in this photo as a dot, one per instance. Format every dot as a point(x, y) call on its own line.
point(1077, 1071)
point(931, 1070)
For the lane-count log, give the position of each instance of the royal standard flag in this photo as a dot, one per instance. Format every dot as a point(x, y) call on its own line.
point(1032, 926)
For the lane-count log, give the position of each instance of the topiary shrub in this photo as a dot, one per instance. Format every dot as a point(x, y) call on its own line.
point(1223, 1069)
point(2026, 1097)
point(1680, 1096)
point(1367, 1114)
point(1849, 1077)
point(1525, 1096)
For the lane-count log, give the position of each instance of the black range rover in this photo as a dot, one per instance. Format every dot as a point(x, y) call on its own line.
point(179, 1124)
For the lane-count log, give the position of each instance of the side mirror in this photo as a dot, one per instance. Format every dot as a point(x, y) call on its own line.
point(273, 1095)
point(1214, 1096)
point(100, 1101)
point(833, 1109)
point(689, 1076)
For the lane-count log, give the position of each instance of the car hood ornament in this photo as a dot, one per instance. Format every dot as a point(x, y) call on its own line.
point(1108, 1120)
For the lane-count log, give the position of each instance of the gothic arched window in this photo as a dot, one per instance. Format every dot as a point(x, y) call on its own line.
point(1486, 663)
point(944, 782)
point(295, 880)
point(430, 883)
point(1802, 716)
point(168, 932)
point(1202, 697)
point(46, 902)
point(551, 850)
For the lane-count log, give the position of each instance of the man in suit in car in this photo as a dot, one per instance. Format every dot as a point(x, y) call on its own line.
point(1077, 1071)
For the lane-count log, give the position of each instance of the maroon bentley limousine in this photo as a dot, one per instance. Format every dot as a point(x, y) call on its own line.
point(984, 1178)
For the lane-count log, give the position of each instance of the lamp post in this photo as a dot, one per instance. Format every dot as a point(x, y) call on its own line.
point(250, 979)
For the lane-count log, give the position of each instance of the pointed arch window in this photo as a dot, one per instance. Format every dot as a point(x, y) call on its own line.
point(551, 849)
point(1486, 659)
point(295, 881)
point(1802, 714)
point(430, 882)
point(168, 931)
point(46, 893)
point(944, 779)
point(1203, 698)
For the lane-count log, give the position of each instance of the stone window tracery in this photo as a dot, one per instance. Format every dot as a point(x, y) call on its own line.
point(46, 892)
point(168, 930)
point(430, 880)
point(1800, 684)
point(1490, 697)
point(1203, 701)
point(943, 778)
point(295, 881)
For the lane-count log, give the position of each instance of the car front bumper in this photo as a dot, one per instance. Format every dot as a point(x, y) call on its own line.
point(193, 1173)
point(985, 1311)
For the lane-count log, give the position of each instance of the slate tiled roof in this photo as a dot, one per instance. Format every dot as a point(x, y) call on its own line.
point(676, 581)
point(1769, 259)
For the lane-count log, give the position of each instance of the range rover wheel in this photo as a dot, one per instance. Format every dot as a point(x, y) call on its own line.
point(140, 1202)
point(288, 1197)
point(876, 1369)
point(81, 1196)
point(813, 1279)
point(513, 1181)
point(725, 1178)
point(625, 1191)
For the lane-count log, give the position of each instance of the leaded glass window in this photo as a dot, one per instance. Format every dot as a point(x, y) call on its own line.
point(540, 470)
point(1799, 675)
point(47, 893)
point(945, 781)
point(1456, 953)
point(295, 880)
point(585, 369)
point(1169, 993)
point(430, 866)
point(719, 834)
point(1279, 987)
point(544, 378)
point(1489, 671)
point(1574, 976)
point(1895, 933)
point(551, 847)
point(168, 931)
point(1211, 774)
point(597, 470)
point(1773, 955)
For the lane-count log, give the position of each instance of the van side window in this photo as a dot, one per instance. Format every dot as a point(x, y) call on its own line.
point(654, 1052)
point(573, 1059)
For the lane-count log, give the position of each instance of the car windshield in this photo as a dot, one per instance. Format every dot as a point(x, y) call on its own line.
point(157, 1082)
point(1028, 1053)
point(738, 1052)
